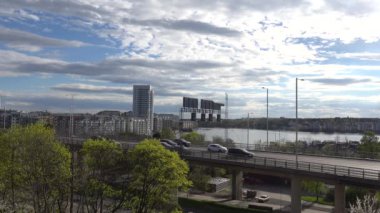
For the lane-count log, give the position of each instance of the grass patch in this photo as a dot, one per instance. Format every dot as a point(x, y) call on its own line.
point(211, 207)
point(313, 199)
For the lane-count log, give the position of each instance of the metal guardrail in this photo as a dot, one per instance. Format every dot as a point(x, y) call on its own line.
point(342, 171)
point(340, 153)
point(272, 149)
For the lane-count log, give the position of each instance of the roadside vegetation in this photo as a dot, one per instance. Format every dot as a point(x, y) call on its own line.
point(39, 174)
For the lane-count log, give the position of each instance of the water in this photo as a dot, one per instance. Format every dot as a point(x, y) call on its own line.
point(260, 136)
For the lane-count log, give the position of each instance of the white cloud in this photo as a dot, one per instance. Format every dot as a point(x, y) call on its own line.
point(360, 56)
point(204, 48)
point(32, 42)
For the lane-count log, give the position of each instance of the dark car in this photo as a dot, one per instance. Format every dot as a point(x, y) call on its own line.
point(183, 142)
point(166, 145)
point(170, 142)
point(237, 152)
point(175, 146)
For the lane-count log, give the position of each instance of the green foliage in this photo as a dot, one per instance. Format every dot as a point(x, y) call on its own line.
point(329, 148)
point(354, 193)
point(167, 133)
point(209, 206)
point(221, 141)
point(194, 138)
point(200, 178)
point(34, 169)
point(156, 176)
point(100, 157)
point(315, 187)
point(201, 175)
point(314, 199)
point(370, 145)
point(330, 195)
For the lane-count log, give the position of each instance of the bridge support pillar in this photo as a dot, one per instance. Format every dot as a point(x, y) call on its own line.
point(296, 195)
point(340, 199)
point(237, 192)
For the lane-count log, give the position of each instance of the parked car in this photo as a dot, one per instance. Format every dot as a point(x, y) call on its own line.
point(170, 142)
point(166, 145)
point(216, 148)
point(251, 194)
point(263, 198)
point(237, 152)
point(183, 142)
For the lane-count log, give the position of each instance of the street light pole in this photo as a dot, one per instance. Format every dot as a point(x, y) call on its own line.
point(296, 142)
point(267, 115)
point(248, 129)
point(1, 107)
point(4, 112)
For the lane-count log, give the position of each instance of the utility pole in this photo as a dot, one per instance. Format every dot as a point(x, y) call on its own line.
point(4, 112)
point(71, 133)
point(267, 115)
point(226, 119)
point(296, 143)
point(247, 130)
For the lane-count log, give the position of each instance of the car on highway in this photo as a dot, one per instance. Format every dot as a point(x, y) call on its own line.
point(263, 198)
point(216, 148)
point(170, 142)
point(171, 145)
point(183, 142)
point(166, 145)
point(238, 152)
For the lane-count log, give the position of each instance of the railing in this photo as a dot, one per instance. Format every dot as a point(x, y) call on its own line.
point(274, 149)
point(307, 150)
point(342, 171)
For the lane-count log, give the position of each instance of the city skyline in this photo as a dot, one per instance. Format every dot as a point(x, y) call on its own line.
point(96, 51)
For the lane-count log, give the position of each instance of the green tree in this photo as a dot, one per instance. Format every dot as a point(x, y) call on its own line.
point(194, 138)
point(35, 170)
point(199, 178)
point(167, 133)
point(370, 145)
point(354, 193)
point(101, 158)
point(156, 176)
point(219, 140)
point(315, 187)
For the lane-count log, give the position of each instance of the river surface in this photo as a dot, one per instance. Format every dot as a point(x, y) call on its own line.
point(257, 136)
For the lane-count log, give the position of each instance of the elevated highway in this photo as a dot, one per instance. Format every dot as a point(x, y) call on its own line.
point(336, 171)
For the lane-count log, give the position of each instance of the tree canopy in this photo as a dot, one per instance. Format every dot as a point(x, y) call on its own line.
point(157, 174)
point(370, 145)
point(34, 169)
point(101, 157)
point(194, 137)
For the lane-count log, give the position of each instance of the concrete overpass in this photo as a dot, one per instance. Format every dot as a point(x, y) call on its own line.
point(363, 173)
point(335, 171)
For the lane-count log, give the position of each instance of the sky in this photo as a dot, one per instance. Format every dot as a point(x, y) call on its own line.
point(87, 54)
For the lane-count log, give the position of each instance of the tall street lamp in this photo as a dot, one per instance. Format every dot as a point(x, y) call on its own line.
point(267, 115)
point(296, 143)
point(2, 104)
point(248, 128)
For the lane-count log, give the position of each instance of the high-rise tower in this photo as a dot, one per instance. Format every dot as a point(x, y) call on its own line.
point(143, 105)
